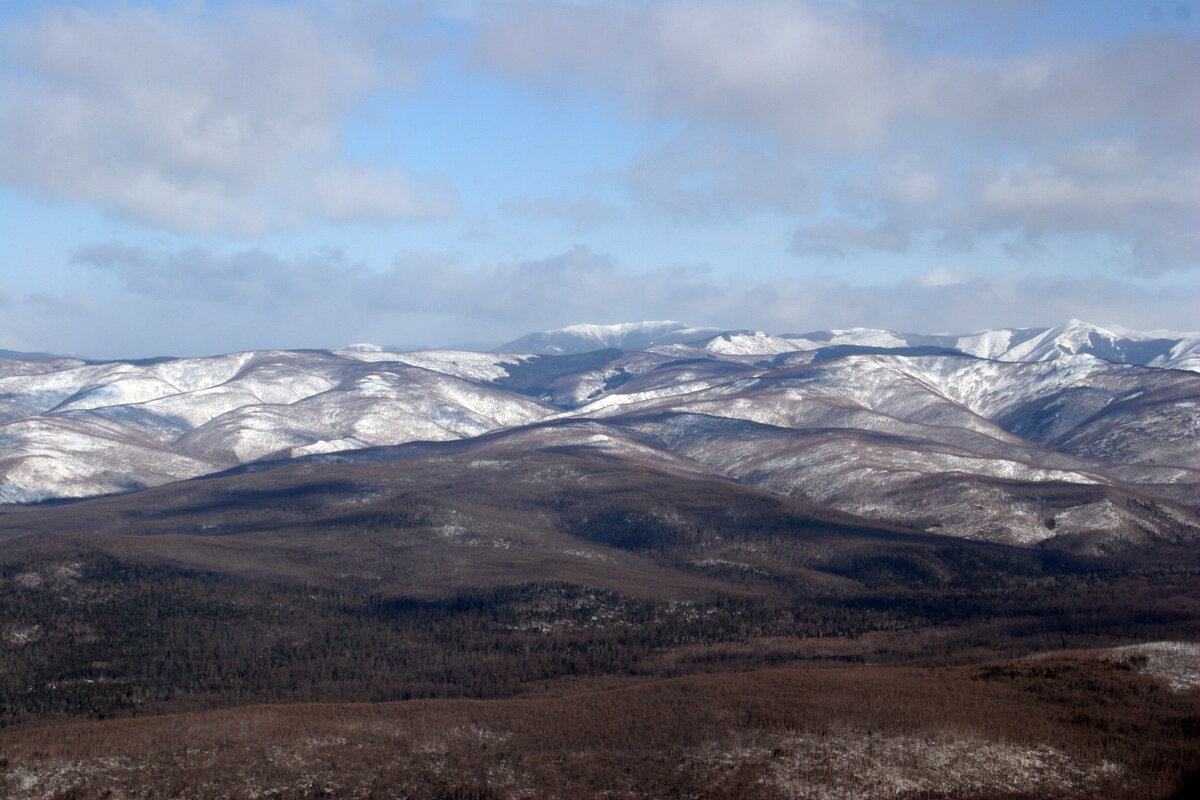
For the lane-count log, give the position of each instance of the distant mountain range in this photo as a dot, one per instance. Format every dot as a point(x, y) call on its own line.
point(21, 355)
point(1075, 436)
point(1158, 349)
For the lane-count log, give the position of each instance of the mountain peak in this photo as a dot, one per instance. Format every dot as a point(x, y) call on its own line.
point(1077, 337)
point(1073, 337)
point(1081, 326)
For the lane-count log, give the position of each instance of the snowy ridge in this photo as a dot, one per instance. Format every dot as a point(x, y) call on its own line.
point(868, 434)
point(101, 428)
point(861, 337)
point(749, 343)
point(1072, 338)
point(896, 427)
point(1184, 354)
point(465, 364)
point(986, 344)
point(1167, 349)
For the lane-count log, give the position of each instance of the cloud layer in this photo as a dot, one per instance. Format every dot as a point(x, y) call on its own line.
point(952, 169)
point(1065, 141)
point(196, 301)
point(197, 121)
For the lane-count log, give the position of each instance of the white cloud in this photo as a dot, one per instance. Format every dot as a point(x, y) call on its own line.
point(706, 176)
point(943, 276)
point(841, 238)
point(949, 143)
point(195, 120)
point(345, 193)
point(1100, 188)
point(808, 74)
point(1142, 206)
point(197, 301)
point(830, 75)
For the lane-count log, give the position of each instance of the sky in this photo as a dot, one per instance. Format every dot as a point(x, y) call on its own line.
point(206, 176)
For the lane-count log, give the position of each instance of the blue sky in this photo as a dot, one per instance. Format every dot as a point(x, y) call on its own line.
point(199, 177)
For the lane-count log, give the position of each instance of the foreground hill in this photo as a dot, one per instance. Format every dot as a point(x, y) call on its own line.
point(1078, 725)
point(493, 514)
point(480, 568)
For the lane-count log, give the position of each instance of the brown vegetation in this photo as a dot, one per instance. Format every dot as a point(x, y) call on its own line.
point(567, 626)
point(1078, 726)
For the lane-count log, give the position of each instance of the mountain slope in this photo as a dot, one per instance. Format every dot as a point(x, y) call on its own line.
point(1070, 449)
point(1158, 349)
point(99, 428)
point(435, 523)
point(924, 441)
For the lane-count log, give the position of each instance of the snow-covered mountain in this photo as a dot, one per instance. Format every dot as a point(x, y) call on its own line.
point(1076, 337)
point(746, 343)
point(79, 429)
point(938, 441)
point(1017, 435)
point(21, 355)
point(1158, 348)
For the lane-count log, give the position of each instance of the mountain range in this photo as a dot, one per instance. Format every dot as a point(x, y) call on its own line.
point(647, 561)
point(1076, 436)
point(1167, 349)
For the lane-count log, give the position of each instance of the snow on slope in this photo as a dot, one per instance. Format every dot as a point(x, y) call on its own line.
point(995, 389)
point(1177, 663)
point(105, 384)
point(622, 330)
point(1124, 346)
point(749, 343)
point(927, 485)
point(100, 428)
point(1185, 354)
point(1071, 338)
point(459, 363)
point(986, 344)
point(1085, 406)
point(1025, 344)
point(1080, 405)
point(864, 337)
point(936, 441)
point(1156, 348)
point(585, 337)
point(12, 366)
point(50, 457)
point(878, 393)
point(929, 440)
point(387, 406)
